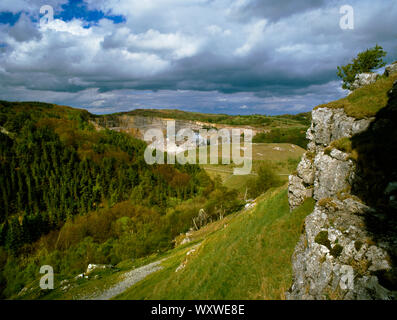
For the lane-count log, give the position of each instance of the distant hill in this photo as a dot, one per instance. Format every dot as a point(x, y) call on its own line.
point(238, 120)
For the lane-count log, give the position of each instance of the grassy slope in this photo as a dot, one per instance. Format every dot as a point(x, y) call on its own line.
point(249, 259)
point(366, 101)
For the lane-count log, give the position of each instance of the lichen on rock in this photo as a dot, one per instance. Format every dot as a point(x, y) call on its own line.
point(336, 256)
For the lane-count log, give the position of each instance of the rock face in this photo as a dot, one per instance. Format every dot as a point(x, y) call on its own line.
point(391, 69)
point(364, 79)
point(137, 125)
point(332, 124)
point(336, 256)
point(331, 174)
point(327, 173)
point(297, 191)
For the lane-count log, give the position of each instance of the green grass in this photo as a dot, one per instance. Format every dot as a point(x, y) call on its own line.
point(282, 157)
point(343, 144)
point(365, 102)
point(249, 259)
point(295, 135)
point(246, 255)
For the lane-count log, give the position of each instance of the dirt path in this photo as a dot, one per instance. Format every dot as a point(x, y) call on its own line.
point(129, 279)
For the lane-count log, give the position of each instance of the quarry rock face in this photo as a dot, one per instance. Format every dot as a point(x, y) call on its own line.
point(336, 256)
point(364, 79)
point(137, 125)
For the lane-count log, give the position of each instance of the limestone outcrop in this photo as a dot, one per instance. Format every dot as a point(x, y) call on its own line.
point(348, 244)
point(335, 258)
point(297, 191)
point(391, 69)
point(364, 79)
point(320, 174)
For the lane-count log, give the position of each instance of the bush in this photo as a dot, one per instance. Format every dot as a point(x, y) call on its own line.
point(266, 179)
point(366, 61)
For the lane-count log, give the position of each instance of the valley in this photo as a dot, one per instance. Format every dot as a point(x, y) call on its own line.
point(78, 196)
point(135, 211)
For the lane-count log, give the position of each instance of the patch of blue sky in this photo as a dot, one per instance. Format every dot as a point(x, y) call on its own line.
point(74, 9)
point(9, 17)
point(77, 9)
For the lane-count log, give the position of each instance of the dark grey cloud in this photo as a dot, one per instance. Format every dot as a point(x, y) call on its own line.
point(24, 30)
point(275, 10)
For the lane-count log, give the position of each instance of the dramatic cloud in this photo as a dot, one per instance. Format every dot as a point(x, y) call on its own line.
point(244, 56)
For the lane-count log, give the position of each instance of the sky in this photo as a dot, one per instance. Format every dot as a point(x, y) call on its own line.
point(213, 56)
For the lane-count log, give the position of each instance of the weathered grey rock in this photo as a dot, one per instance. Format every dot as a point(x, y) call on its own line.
point(322, 120)
point(378, 259)
point(332, 124)
point(331, 176)
point(354, 206)
point(311, 147)
point(391, 69)
point(339, 155)
point(305, 169)
point(364, 79)
point(335, 258)
point(91, 267)
point(323, 272)
point(310, 133)
point(297, 192)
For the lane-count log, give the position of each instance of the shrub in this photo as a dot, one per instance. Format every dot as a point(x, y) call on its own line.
point(365, 61)
point(266, 179)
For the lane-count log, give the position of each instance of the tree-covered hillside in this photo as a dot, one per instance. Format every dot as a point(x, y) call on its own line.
point(55, 165)
point(71, 195)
